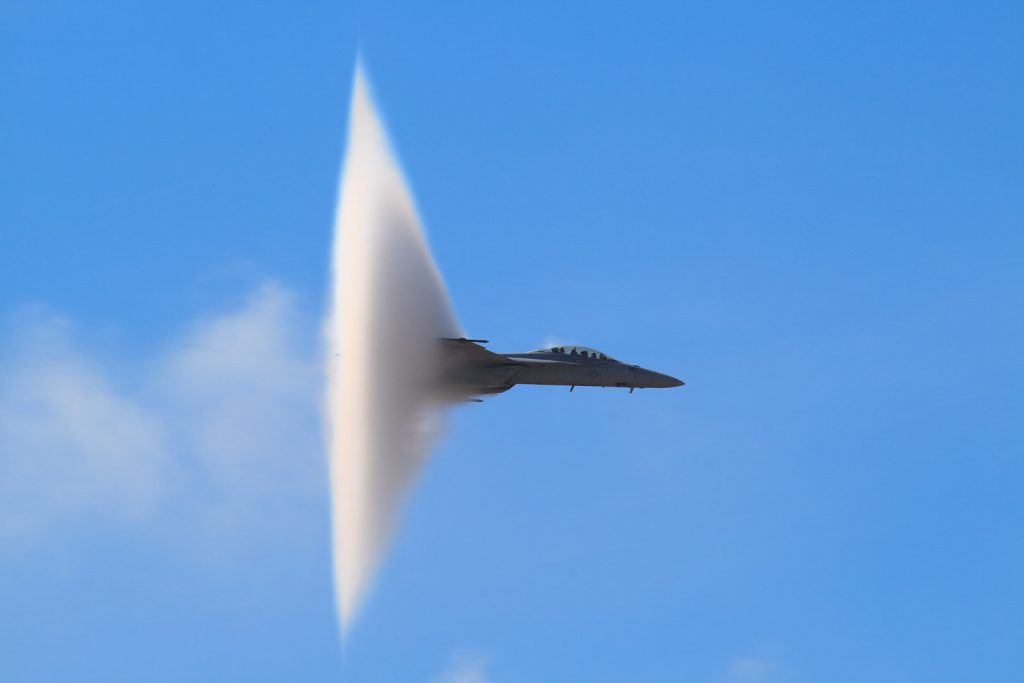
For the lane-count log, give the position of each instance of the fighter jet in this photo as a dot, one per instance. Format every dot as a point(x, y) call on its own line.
point(472, 370)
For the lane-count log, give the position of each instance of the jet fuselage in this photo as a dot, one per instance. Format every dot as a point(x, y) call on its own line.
point(479, 371)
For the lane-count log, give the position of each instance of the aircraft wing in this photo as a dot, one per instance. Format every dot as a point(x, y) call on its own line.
point(470, 352)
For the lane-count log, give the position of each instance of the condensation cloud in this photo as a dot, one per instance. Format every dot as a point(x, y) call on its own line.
point(389, 306)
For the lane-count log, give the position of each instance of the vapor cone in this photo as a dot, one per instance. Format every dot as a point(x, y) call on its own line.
point(389, 306)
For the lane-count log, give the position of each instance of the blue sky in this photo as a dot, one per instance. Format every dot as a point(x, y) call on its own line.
point(811, 213)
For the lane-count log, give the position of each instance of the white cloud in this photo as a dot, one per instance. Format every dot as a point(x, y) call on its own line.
point(750, 670)
point(70, 441)
point(465, 669)
point(243, 394)
point(221, 425)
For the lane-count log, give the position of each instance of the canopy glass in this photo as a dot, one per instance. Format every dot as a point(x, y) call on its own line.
point(581, 351)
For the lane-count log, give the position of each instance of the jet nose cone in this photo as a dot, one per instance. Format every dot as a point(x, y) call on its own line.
point(661, 381)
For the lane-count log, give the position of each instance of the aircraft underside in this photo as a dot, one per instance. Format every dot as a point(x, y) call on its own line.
point(471, 370)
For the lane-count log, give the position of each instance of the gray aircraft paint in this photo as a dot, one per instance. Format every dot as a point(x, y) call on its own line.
point(473, 370)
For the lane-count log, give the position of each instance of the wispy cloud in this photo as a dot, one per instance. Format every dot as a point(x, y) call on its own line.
point(71, 442)
point(220, 424)
point(465, 668)
point(750, 670)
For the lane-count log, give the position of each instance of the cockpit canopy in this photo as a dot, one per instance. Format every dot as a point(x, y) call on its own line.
point(580, 351)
